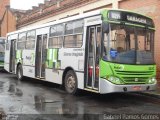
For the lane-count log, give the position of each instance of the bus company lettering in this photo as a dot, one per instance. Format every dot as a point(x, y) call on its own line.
point(136, 19)
point(77, 54)
point(67, 54)
point(28, 57)
point(73, 54)
point(82, 49)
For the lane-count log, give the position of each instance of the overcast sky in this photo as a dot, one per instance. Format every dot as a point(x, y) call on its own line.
point(24, 4)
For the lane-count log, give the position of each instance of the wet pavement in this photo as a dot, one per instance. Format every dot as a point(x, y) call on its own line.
point(33, 99)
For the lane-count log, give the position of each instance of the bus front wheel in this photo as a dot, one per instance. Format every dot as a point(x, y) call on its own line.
point(19, 72)
point(71, 82)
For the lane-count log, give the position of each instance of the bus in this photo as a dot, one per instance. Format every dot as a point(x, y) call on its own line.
point(102, 51)
point(2, 49)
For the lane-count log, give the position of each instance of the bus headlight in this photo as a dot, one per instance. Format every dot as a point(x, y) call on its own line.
point(152, 80)
point(115, 80)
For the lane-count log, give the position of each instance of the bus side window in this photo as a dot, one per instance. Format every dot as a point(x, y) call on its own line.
point(30, 41)
point(21, 41)
point(105, 44)
point(56, 36)
point(98, 45)
point(73, 34)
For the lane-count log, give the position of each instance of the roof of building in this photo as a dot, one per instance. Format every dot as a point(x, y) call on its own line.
point(49, 8)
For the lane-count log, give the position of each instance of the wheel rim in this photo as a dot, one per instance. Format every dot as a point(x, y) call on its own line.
point(71, 83)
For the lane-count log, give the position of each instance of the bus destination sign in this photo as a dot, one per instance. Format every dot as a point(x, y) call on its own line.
point(130, 17)
point(136, 19)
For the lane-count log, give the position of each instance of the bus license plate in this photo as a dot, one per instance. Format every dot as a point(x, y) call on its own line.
point(137, 88)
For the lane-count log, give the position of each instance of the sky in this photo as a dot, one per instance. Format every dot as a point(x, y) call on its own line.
point(24, 4)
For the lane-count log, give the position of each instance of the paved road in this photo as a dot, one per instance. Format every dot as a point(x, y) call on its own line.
point(32, 97)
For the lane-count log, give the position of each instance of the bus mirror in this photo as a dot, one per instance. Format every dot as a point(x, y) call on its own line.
point(105, 27)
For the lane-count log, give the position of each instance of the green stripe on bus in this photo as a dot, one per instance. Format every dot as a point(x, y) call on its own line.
point(49, 54)
point(1, 63)
point(56, 56)
point(50, 64)
point(32, 58)
point(19, 54)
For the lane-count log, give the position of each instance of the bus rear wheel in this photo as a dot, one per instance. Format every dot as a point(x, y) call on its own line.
point(71, 82)
point(19, 72)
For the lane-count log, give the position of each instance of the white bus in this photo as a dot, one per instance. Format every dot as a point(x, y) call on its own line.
point(99, 51)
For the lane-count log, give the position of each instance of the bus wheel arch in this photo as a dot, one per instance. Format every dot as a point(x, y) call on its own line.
point(69, 76)
point(19, 71)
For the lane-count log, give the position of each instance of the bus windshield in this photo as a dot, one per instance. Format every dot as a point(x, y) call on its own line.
point(128, 45)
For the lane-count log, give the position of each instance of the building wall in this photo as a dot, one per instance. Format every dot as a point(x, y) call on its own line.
point(62, 13)
point(3, 3)
point(7, 18)
point(8, 24)
point(150, 8)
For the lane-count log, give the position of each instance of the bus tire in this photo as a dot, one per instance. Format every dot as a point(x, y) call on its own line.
point(71, 82)
point(19, 72)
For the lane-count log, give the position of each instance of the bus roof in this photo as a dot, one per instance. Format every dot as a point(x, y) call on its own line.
point(97, 12)
point(84, 15)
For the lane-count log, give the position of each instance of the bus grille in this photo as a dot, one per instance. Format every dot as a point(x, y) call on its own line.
point(134, 77)
point(135, 80)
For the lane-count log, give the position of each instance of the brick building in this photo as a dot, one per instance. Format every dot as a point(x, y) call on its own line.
point(8, 17)
point(3, 17)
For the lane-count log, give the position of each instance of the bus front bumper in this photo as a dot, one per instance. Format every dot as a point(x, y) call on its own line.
point(108, 87)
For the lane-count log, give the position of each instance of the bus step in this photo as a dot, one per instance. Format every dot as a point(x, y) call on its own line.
point(91, 90)
point(42, 78)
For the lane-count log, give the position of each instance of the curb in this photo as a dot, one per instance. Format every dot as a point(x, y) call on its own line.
point(155, 95)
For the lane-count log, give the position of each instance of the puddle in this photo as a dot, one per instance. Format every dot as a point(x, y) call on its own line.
point(1, 84)
point(2, 114)
point(14, 90)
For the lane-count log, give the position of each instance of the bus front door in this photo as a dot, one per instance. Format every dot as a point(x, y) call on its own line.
point(93, 50)
point(12, 56)
point(41, 54)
